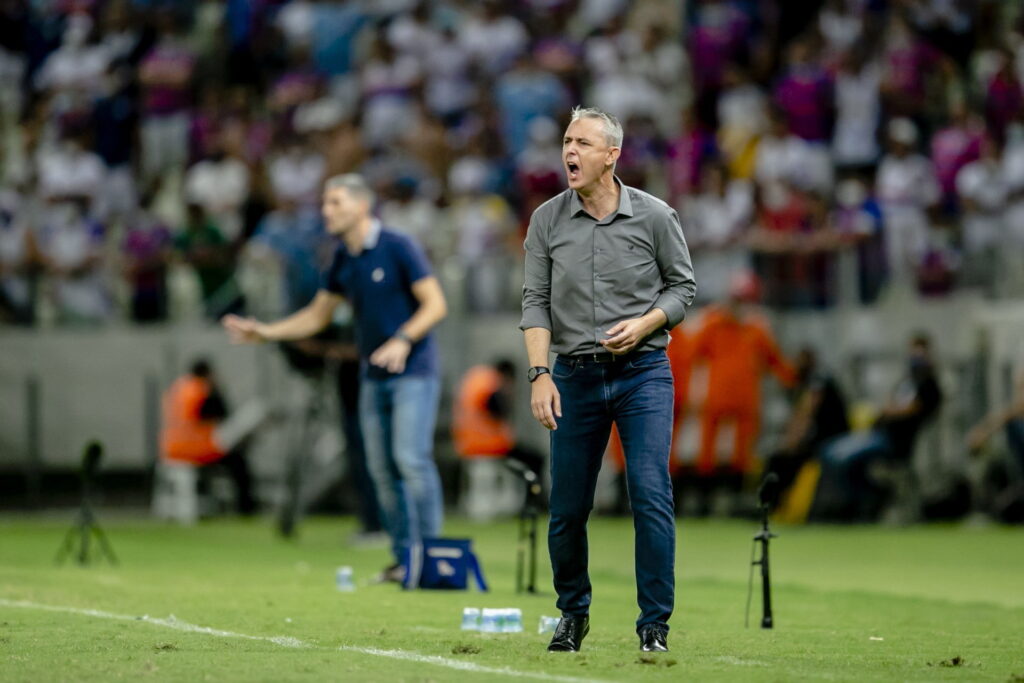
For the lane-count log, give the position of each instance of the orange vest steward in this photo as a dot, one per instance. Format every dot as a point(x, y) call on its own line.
point(186, 437)
point(475, 430)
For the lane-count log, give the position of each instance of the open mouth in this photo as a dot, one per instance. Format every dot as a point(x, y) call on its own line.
point(573, 169)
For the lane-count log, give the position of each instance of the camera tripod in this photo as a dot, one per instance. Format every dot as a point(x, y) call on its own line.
point(78, 539)
point(526, 545)
point(766, 496)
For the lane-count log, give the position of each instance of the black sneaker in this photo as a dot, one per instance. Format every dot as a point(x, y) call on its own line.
point(652, 638)
point(569, 634)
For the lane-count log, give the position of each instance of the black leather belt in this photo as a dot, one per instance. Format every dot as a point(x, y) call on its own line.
point(603, 357)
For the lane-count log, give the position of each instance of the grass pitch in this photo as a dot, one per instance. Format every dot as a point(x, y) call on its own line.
point(851, 604)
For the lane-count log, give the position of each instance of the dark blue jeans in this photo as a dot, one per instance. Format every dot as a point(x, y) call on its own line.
point(636, 394)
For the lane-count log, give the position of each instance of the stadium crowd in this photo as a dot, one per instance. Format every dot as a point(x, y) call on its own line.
point(150, 149)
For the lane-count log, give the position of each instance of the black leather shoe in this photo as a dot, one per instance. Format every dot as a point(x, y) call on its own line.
point(652, 638)
point(569, 634)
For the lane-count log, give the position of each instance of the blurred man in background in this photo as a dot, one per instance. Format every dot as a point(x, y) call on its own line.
point(396, 302)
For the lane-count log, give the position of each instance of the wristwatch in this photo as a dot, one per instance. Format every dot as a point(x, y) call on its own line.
point(536, 371)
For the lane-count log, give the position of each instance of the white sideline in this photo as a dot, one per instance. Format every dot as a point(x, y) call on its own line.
point(173, 622)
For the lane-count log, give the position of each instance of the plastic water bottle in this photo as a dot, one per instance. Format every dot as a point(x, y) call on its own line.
point(470, 618)
point(512, 620)
point(491, 620)
point(547, 624)
point(343, 579)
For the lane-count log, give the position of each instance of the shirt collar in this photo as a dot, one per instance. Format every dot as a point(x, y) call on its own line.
point(372, 235)
point(625, 205)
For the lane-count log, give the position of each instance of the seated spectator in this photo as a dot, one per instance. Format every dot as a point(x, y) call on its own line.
point(484, 436)
point(818, 416)
point(71, 252)
point(202, 245)
point(193, 407)
point(847, 489)
point(1006, 501)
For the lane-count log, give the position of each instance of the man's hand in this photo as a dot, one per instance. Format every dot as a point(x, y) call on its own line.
point(391, 355)
point(545, 401)
point(624, 336)
point(243, 330)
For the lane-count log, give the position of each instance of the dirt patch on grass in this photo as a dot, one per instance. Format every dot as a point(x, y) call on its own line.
point(465, 649)
point(950, 663)
point(654, 660)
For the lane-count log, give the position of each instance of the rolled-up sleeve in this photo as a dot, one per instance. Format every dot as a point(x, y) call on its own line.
point(537, 285)
point(673, 258)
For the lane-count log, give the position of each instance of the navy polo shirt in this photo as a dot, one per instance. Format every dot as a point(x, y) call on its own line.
point(378, 283)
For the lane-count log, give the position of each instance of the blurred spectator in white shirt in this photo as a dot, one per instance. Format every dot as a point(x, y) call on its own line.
point(388, 81)
point(858, 110)
point(716, 221)
point(414, 33)
point(983, 192)
point(69, 170)
point(484, 228)
point(493, 38)
point(297, 172)
point(78, 65)
point(450, 89)
point(907, 188)
point(71, 250)
point(406, 211)
point(220, 184)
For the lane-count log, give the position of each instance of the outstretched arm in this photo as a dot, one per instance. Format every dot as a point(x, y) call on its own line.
point(305, 322)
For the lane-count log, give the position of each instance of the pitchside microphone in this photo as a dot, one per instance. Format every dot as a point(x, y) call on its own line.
point(768, 493)
point(91, 457)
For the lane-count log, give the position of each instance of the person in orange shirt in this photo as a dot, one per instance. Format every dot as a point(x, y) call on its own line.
point(192, 408)
point(483, 435)
point(739, 348)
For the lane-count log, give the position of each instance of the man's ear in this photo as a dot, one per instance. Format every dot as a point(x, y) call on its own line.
point(613, 156)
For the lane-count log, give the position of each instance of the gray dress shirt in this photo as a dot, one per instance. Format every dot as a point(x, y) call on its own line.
point(583, 275)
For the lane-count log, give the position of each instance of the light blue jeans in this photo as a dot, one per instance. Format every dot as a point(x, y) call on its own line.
point(398, 415)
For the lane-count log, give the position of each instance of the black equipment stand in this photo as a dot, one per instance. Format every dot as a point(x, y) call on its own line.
point(526, 546)
point(766, 495)
point(86, 526)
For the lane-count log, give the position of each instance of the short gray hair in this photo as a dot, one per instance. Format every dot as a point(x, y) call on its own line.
point(354, 184)
point(612, 127)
